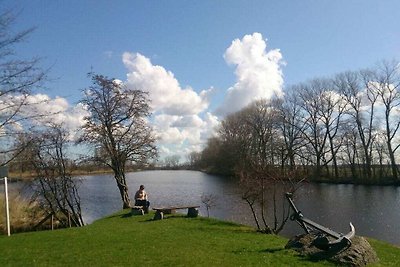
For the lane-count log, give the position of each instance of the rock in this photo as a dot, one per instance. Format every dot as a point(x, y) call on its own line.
point(359, 253)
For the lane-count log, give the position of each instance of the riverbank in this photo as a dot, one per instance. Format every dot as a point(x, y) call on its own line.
point(388, 181)
point(27, 176)
point(124, 240)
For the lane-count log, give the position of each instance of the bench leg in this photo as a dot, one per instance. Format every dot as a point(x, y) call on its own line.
point(193, 212)
point(137, 212)
point(159, 215)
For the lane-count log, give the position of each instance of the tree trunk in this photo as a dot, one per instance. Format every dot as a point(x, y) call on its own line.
point(392, 161)
point(389, 147)
point(123, 188)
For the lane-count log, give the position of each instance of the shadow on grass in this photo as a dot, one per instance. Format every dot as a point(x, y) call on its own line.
point(256, 251)
point(271, 250)
point(114, 216)
point(171, 217)
point(146, 216)
point(127, 215)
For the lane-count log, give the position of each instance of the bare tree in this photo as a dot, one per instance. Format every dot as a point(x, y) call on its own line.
point(314, 131)
point(17, 78)
point(361, 100)
point(263, 189)
point(117, 127)
point(331, 111)
point(172, 161)
point(350, 149)
point(54, 187)
point(214, 157)
point(385, 81)
point(209, 200)
point(291, 125)
point(255, 130)
point(262, 119)
point(194, 159)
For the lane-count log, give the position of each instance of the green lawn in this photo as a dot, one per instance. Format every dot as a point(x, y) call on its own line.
point(124, 240)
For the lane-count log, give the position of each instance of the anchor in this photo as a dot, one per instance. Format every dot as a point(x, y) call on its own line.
point(322, 241)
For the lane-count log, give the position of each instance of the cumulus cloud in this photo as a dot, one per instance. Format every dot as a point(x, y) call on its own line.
point(180, 129)
point(166, 94)
point(56, 111)
point(181, 135)
point(258, 73)
point(180, 115)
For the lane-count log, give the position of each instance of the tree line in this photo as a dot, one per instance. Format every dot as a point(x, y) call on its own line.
point(340, 129)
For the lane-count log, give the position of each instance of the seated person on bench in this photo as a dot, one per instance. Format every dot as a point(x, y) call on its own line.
point(141, 199)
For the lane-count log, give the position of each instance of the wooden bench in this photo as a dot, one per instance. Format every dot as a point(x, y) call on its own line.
point(192, 211)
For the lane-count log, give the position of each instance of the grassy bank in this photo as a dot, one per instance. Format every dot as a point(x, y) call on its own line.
point(124, 240)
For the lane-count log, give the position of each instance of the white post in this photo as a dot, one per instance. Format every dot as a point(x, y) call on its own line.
point(7, 208)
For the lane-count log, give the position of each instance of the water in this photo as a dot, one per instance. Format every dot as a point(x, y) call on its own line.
point(100, 196)
point(374, 210)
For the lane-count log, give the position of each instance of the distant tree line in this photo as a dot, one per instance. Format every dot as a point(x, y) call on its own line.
point(338, 129)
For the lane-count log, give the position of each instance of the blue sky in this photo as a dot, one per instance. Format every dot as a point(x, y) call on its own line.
point(184, 45)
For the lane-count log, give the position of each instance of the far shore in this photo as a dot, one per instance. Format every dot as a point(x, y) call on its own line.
point(28, 176)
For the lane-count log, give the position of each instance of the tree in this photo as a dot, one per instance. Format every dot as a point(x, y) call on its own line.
point(332, 110)
point(209, 200)
point(213, 157)
point(263, 189)
point(350, 151)
point(361, 101)
point(172, 161)
point(386, 83)
point(234, 142)
point(17, 78)
point(291, 126)
point(194, 159)
point(262, 120)
point(117, 127)
point(314, 132)
point(54, 188)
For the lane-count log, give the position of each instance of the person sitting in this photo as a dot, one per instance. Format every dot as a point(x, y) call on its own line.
point(141, 199)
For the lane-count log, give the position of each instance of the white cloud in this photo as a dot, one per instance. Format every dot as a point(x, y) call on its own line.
point(166, 94)
point(179, 129)
point(181, 117)
point(183, 134)
point(178, 112)
point(258, 73)
point(57, 111)
point(211, 122)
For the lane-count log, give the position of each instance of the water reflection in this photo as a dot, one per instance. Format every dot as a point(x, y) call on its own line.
point(374, 210)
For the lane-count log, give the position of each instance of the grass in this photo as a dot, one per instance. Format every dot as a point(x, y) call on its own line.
point(124, 240)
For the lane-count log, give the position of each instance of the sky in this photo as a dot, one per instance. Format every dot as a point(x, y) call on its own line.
point(199, 60)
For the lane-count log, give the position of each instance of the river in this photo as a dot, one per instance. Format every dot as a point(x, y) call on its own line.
point(374, 210)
